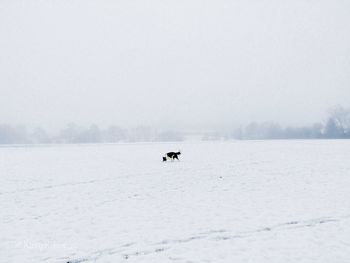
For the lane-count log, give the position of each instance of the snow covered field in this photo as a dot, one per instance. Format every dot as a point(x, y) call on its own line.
point(244, 201)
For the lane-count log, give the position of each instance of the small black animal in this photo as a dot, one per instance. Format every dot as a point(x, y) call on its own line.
point(164, 159)
point(173, 155)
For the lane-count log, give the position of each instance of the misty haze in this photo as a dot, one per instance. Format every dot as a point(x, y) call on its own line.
point(188, 65)
point(162, 131)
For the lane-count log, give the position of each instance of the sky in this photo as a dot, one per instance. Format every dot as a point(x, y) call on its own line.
point(172, 64)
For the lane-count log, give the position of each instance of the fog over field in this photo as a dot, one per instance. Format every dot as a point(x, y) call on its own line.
point(187, 65)
point(174, 131)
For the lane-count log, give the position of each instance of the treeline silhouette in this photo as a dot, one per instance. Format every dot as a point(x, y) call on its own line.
point(73, 133)
point(337, 126)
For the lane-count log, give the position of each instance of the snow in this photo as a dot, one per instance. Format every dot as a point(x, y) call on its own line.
point(239, 201)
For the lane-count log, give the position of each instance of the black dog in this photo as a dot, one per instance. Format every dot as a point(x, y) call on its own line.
point(172, 156)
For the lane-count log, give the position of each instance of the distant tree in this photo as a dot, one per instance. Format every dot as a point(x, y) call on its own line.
point(332, 130)
point(238, 133)
point(39, 135)
point(6, 134)
point(271, 130)
point(340, 118)
point(91, 135)
point(12, 135)
point(252, 131)
point(316, 130)
point(70, 134)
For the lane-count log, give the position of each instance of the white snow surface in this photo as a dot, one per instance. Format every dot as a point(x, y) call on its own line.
point(239, 201)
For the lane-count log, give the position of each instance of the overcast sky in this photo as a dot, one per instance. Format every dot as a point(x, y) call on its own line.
point(185, 64)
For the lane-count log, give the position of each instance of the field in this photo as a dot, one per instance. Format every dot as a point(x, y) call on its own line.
point(239, 201)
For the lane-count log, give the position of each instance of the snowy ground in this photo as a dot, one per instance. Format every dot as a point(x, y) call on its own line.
point(245, 201)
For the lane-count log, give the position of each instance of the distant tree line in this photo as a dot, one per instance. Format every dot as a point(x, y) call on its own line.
point(73, 133)
point(337, 126)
